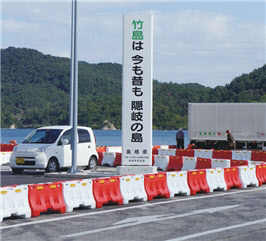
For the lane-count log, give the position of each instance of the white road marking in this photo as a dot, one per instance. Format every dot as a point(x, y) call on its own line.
point(129, 222)
point(218, 230)
point(127, 208)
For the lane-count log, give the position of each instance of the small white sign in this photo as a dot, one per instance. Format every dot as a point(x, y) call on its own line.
point(137, 90)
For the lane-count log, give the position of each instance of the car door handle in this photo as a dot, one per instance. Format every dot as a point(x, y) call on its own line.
point(89, 146)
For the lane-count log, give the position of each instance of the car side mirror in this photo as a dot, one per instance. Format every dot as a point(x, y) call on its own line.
point(65, 141)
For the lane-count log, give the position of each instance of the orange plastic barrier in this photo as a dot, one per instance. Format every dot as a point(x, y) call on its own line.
point(179, 152)
point(175, 163)
point(101, 148)
point(118, 159)
point(11, 147)
point(13, 142)
point(190, 153)
point(3, 147)
point(172, 146)
point(222, 154)
point(7, 147)
point(237, 163)
point(100, 158)
point(46, 196)
point(263, 156)
point(106, 190)
point(256, 155)
point(191, 146)
point(154, 151)
point(231, 177)
point(185, 152)
point(261, 173)
point(156, 185)
point(203, 163)
point(197, 181)
point(216, 154)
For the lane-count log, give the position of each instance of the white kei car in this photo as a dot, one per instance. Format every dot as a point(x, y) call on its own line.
point(49, 148)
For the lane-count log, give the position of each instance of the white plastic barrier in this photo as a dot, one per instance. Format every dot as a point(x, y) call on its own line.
point(215, 179)
point(164, 147)
point(132, 188)
point(189, 163)
point(78, 193)
point(220, 163)
point(2, 158)
point(203, 153)
point(167, 152)
point(161, 162)
point(114, 149)
point(109, 158)
point(241, 155)
point(14, 201)
point(247, 176)
point(5, 156)
point(246, 155)
point(177, 183)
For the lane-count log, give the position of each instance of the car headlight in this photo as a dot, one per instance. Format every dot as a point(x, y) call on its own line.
point(43, 149)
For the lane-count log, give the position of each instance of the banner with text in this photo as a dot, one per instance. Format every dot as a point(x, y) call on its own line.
point(137, 90)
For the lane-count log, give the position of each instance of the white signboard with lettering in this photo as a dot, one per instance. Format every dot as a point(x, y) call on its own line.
point(137, 90)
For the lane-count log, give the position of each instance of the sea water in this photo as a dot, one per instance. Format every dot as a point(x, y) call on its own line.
point(103, 137)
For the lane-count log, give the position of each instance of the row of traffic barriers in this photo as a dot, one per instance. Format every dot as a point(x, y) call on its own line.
point(254, 155)
point(114, 158)
point(174, 163)
point(179, 163)
point(32, 200)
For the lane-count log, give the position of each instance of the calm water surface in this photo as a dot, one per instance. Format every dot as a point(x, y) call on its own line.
point(103, 138)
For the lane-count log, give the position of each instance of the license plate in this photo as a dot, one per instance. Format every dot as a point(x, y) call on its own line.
point(20, 160)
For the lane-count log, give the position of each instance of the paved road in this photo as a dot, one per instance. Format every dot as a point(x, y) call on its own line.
point(37, 176)
point(238, 214)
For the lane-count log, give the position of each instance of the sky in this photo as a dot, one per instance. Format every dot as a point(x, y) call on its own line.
point(208, 42)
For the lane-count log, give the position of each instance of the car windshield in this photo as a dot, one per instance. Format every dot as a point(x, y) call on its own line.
point(43, 136)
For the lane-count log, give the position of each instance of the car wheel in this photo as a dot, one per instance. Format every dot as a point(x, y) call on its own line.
point(52, 166)
point(17, 170)
point(92, 163)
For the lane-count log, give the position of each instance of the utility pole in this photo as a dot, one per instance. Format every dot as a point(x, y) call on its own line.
point(71, 68)
point(74, 75)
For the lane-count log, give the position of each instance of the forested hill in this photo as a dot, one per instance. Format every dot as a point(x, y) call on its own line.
point(35, 92)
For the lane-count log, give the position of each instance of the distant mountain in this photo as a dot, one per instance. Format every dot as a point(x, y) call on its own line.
point(35, 92)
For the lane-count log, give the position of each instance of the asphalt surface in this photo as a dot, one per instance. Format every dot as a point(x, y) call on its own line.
point(237, 214)
point(38, 176)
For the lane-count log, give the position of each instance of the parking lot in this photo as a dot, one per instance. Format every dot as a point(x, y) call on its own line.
point(237, 214)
